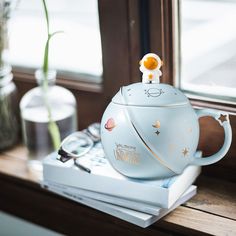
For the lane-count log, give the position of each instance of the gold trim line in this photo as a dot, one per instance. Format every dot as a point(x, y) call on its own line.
point(153, 153)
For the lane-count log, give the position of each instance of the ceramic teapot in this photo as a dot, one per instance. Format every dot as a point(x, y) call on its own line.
point(150, 130)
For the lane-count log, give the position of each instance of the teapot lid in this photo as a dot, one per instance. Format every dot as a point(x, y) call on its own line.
point(150, 92)
point(140, 94)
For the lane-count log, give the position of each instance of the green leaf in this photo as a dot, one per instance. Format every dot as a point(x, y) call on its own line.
point(54, 33)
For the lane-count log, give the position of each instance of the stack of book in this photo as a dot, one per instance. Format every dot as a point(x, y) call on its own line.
point(92, 181)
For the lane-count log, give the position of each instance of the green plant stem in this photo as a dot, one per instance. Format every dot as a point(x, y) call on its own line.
point(45, 59)
point(52, 126)
point(46, 15)
point(46, 50)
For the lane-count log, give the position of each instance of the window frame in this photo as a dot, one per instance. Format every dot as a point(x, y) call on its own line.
point(165, 40)
point(163, 15)
point(121, 28)
point(219, 102)
point(121, 40)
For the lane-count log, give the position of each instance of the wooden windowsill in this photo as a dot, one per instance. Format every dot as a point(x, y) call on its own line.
point(68, 82)
point(211, 211)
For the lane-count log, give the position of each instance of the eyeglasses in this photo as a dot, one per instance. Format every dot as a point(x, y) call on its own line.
point(79, 143)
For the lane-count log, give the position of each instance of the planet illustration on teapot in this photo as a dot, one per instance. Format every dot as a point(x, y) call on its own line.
point(110, 124)
point(150, 130)
point(154, 92)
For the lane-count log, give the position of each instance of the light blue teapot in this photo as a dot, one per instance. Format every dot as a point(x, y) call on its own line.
point(150, 130)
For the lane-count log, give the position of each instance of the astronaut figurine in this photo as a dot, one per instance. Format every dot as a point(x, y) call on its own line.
point(150, 67)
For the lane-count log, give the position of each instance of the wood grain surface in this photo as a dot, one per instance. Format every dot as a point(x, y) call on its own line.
point(211, 211)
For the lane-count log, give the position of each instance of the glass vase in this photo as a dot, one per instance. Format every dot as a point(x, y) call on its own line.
point(8, 109)
point(41, 106)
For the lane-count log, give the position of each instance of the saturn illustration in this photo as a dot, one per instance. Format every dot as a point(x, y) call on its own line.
point(154, 92)
point(110, 124)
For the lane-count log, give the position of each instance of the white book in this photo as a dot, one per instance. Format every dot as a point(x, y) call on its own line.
point(139, 206)
point(105, 179)
point(135, 217)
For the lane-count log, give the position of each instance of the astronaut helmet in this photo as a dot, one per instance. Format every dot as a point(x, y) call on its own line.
point(150, 62)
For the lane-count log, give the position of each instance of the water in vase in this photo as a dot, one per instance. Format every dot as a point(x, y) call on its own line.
point(35, 129)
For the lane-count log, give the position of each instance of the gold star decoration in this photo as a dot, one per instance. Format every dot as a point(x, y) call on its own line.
point(185, 152)
point(222, 118)
point(157, 124)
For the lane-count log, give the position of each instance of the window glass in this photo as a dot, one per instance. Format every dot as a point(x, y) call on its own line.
point(208, 47)
point(77, 50)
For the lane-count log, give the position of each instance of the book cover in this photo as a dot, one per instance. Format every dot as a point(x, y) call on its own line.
point(104, 179)
point(135, 217)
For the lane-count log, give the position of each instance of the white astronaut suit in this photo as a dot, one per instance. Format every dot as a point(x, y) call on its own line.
point(150, 67)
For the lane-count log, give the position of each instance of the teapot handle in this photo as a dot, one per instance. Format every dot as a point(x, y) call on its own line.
point(223, 119)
